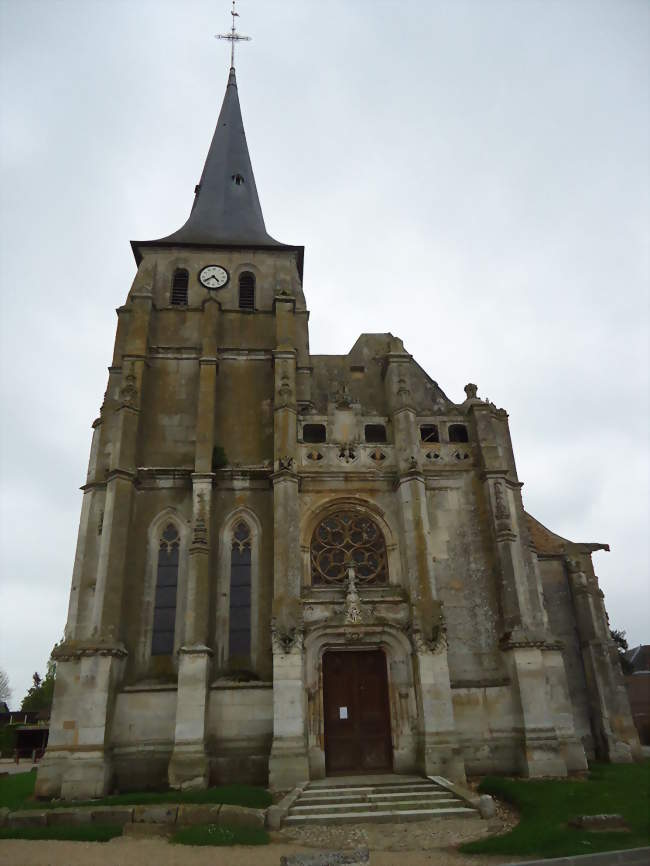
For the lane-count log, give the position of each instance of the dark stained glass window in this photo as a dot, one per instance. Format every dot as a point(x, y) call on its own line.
point(164, 612)
point(239, 644)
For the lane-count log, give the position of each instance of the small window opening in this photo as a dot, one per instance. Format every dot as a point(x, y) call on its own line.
point(313, 433)
point(375, 433)
point(179, 287)
point(238, 179)
point(247, 291)
point(458, 433)
point(429, 433)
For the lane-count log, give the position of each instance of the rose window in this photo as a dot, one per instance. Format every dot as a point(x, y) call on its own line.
point(346, 539)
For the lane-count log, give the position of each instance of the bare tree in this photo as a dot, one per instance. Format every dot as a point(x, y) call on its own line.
point(5, 691)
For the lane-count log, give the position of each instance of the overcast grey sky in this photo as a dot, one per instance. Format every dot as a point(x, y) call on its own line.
point(471, 175)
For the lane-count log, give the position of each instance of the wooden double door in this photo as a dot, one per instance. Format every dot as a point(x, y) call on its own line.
point(357, 715)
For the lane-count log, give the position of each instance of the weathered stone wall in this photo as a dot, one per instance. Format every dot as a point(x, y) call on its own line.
point(464, 575)
point(562, 620)
point(240, 728)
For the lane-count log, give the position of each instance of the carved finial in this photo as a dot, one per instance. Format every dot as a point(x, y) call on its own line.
point(470, 390)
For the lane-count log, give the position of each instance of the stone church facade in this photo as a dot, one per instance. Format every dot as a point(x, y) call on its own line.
point(291, 565)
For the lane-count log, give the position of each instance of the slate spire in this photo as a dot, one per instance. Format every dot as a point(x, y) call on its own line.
point(226, 206)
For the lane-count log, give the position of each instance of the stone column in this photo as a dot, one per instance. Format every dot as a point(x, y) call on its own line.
point(74, 626)
point(189, 766)
point(288, 762)
point(438, 750)
point(616, 736)
point(525, 634)
point(89, 668)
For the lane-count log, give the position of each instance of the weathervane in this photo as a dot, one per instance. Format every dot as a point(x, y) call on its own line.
point(233, 36)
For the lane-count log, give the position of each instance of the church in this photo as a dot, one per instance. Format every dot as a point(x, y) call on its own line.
point(291, 566)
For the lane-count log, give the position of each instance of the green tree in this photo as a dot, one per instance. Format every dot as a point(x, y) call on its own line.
point(620, 640)
point(39, 697)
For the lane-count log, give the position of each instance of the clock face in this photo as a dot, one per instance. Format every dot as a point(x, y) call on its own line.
point(213, 277)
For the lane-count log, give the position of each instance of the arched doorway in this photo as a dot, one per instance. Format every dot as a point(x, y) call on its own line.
point(356, 712)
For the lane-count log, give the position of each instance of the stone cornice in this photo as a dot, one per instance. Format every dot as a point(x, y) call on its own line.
point(195, 650)
point(72, 650)
point(121, 474)
point(481, 683)
point(532, 643)
point(284, 353)
point(93, 485)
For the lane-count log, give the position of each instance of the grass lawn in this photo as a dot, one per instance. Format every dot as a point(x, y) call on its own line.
point(88, 833)
point(546, 807)
point(16, 792)
point(212, 834)
point(15, 789)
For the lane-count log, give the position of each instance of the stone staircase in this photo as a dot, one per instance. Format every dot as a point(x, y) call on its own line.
point(348, 800)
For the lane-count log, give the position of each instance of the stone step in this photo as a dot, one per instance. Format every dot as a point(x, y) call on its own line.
point(424, 797)
point(309, 797)
point(367, 779)
point(379, 816)
point(360, 806)
point(370, 789)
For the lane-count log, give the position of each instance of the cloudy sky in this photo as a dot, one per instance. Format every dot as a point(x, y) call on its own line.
point(471, 175)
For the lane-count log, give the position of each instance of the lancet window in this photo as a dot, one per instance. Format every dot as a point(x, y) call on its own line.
point(164, 614)
point(348, 538)
point(239, 641)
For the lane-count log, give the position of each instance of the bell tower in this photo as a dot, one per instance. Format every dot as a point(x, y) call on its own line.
point(198, 419)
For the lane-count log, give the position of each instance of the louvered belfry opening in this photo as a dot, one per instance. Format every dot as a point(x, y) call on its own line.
point(180, 283)
point(247, 291)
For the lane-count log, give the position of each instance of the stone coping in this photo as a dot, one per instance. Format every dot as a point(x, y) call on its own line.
point(232, 684)
point(182, 814)
point(217, 684)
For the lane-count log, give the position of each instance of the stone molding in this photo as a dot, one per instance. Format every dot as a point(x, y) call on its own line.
point(194, 650)
point(76, 650)
point(543, 644)
point(122, 474)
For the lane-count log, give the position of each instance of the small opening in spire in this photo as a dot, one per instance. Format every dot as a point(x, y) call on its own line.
point(238, 179)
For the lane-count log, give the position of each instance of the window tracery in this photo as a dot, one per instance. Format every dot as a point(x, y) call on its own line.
point(344, 538)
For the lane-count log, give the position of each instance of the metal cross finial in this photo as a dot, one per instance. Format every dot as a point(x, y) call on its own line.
point(233, 36)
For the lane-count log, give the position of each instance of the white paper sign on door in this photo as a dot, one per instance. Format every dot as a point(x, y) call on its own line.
point(343, 712)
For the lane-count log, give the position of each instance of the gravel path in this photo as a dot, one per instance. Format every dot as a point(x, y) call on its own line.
point(419, 843)
point(143, 852)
